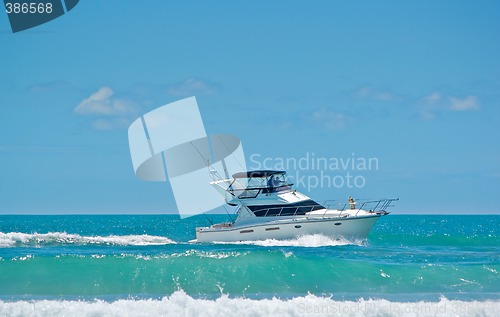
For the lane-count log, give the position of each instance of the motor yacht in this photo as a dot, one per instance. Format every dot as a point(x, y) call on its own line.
point(268, 207)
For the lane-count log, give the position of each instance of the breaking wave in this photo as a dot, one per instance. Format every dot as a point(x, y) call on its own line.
point(17, 239)
point(181, 304)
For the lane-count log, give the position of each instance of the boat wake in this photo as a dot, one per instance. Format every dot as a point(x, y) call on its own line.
point(19, 239)
point(310, 241)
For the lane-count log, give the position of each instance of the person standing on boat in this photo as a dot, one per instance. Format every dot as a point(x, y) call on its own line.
point(270, 184)
point(352, 203)
point(276, 181)
point(273, 183)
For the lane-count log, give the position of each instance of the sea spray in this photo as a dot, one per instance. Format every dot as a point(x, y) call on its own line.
point(314, 240)
point(19, 239)
point(181, 304)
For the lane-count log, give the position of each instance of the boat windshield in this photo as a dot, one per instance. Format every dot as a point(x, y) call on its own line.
point(252, 183)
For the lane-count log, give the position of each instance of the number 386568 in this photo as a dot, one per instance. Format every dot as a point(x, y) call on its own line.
point(27, 8)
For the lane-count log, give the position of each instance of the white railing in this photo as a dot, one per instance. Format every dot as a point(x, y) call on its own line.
point(373, 206)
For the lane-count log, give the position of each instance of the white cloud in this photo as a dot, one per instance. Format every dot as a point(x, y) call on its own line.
point(330, 119)
point(109, 112)
point(191, 87)
point(384, 96)
point(432, 98)
point(427, 115)
point(103, 103)
point(363, 91)
point(464, 104)
point(369, 92)
point(438, 102)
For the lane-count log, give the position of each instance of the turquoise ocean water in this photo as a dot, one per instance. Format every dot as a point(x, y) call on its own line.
point(415, 265)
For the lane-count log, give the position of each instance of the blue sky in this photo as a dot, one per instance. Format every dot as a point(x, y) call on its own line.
point(414, 84)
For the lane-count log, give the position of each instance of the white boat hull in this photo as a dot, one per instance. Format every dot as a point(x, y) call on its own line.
point(350, 227)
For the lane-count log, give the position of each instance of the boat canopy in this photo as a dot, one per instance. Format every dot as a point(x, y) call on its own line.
point(259, 173)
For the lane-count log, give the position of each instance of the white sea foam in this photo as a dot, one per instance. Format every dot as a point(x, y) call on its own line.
point(314, 240)
point(181, 304)
point(13, 239)
point(209, 254)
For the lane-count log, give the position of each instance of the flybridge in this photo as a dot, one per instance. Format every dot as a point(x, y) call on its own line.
point(251, 184)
